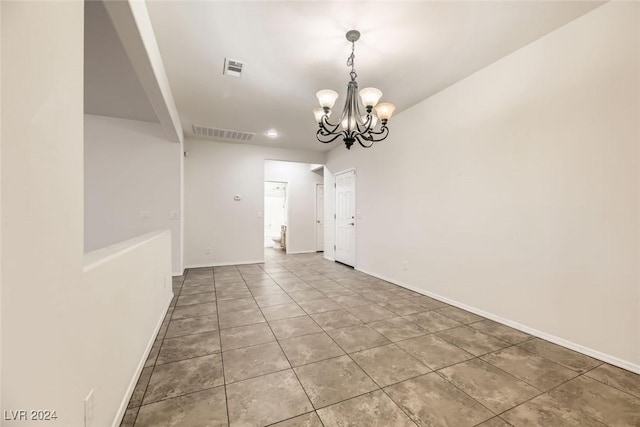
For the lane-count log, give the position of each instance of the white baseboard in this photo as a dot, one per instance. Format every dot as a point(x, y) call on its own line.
point(224, 264)
point(301, 252)
point(174, 274)
point(132, 384)
point(333, 260)
point(624, 364)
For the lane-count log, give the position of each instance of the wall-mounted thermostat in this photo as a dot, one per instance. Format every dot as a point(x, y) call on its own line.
point(237, 197)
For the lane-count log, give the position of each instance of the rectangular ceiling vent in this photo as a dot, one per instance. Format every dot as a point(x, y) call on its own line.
point(233, 67)
point(216, 133)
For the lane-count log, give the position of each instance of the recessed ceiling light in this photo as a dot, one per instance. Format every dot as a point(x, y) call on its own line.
point(272, 133)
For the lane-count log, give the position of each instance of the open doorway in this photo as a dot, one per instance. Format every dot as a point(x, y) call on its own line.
point(275, 214)
point(301, 213)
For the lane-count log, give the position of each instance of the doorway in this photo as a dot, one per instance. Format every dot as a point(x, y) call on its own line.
point(345, 251)
point(275, 213)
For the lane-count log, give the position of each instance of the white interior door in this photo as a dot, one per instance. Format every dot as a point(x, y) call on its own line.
point(319, 217)
point(346, 218)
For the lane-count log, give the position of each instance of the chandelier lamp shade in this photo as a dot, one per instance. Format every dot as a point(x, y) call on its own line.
point(355, 123)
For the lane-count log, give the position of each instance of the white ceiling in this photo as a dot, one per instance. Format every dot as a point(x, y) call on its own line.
point(409, 50)
point(111, 86)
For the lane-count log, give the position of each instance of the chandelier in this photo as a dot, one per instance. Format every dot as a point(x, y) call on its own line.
point(353, 125)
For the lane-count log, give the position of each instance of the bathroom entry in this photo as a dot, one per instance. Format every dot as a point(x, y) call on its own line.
point(275, 213)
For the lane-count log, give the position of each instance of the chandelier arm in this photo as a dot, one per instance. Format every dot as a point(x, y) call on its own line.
point(367, 137)
point(327, 126)
point(324, 132)
point(376, 136)
point(366, 125)
point(320, 135)
point(362, 143)
point(383, 130)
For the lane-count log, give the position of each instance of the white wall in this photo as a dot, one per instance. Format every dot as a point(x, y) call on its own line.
point(130, 166)
point(1, 208)
point(63, 332)
point(516, 191)
point(127, 288)
point(42, 74)
point(301, 202)
point(213, 173)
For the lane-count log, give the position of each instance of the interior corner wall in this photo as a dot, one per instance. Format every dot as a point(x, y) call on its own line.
point(1, 209)
point(42, 257)
point(131, 167)
point(515, 192)
point(301, 202)
point(214, 172)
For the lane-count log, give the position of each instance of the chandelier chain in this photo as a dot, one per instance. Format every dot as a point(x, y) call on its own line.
point(351, 63)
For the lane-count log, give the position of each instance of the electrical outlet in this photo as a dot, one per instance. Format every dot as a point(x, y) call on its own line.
point(208, 251)
point(144, 215)
point(88, 410)
point(405, 265)
point(174, 215)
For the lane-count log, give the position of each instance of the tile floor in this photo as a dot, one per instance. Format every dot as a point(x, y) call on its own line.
point(300, 341)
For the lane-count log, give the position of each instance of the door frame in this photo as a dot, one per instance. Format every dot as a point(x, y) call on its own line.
point(286, 206)
point(355, 208)
point(316, 214)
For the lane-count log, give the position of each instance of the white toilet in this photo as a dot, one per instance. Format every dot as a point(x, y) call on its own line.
point(280, 242)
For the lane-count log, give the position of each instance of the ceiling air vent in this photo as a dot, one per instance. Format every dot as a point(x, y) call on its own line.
point(217, 133)
point(232, 67)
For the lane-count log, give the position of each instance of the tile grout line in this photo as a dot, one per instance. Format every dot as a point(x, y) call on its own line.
point(352, 360)
point(382, 388)
point(508, 373)
point(292, 368)
point(156, 364)
point(391, 342)
point(609, 385)
point(436, 371)
point(224, 377)
point(289, 361)
point(312, 269)
point(181, 395)
point(365, 372)
point(548, 391)
point(135, 420)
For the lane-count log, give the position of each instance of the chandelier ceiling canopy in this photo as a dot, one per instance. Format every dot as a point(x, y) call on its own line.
point(353, 124)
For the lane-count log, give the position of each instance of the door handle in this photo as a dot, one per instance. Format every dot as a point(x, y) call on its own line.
point(352, 223)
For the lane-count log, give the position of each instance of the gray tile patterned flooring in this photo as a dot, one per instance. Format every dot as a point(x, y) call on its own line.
point(300, 341)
